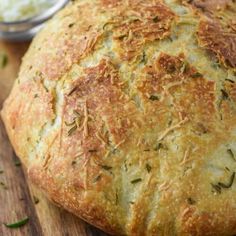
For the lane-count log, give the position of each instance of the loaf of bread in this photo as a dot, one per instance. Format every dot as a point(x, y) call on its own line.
point(124, 113)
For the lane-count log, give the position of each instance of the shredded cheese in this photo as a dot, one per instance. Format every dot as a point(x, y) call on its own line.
point(85, 124)
point(186, 157)
point(79, 154)
point(101, 139)
point(139, 141)
point(120, 143)
point(165, 186)
point(185, 212)
point(167, 131)
point(178, 109)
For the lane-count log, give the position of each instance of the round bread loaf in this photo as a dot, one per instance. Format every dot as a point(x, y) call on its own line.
point(124, 113)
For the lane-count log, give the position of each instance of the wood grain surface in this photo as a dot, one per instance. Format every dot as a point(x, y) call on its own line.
point(17, 194)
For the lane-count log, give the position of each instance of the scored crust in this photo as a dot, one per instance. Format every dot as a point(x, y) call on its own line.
point(124, 113)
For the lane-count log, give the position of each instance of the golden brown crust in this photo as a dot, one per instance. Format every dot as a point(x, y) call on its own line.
point(135, 135)
point(214, 37)
point(143, 22)
point(217, 32)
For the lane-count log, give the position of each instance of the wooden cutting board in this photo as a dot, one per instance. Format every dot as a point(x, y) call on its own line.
point(17, 195)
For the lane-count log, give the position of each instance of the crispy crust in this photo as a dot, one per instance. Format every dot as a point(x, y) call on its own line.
point(217, 28)
point(123, 116)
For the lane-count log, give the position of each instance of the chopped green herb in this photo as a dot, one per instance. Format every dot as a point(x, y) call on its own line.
point(230, 152)
point(131, 202)
point(17, 224)
point(117, 197)
point(215, 65)
point(17, 163)
point(134, 20)
point(36, 95)
point(105, 25)
point(3, 60)
point(114, 150)
point(218, 187)
point(135, 181)
point(36, 200)
point(126, 167)
point(1, 171)
point(76, 113)
point(153, 98)
point(147, 150)
point(160, 146)
point(229, 184)
point(97, 178)
point(155, 19)
point(231, 81)
point(72, 130)
point(144, 59)
point(72, 91)
point(71, 25)
point(191, 201)
point(93, 150)
point(148, 167)
point(122, 36)
point(225, 95)
point(73, 163)
point(196, 75)
point(106, 167)
point(3, 185)
point(185, 67)
point(70, 124)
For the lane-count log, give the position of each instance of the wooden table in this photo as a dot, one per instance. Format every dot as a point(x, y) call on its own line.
point(16, 193)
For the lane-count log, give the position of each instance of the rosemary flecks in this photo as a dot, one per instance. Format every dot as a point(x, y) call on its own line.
point(219, 186)
point(148, 168)
point(135, 181)
point(230, 152)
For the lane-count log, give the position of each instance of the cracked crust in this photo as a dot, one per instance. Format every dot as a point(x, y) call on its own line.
point(123, 115)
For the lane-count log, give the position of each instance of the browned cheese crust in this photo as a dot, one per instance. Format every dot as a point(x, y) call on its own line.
point(124, 113)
